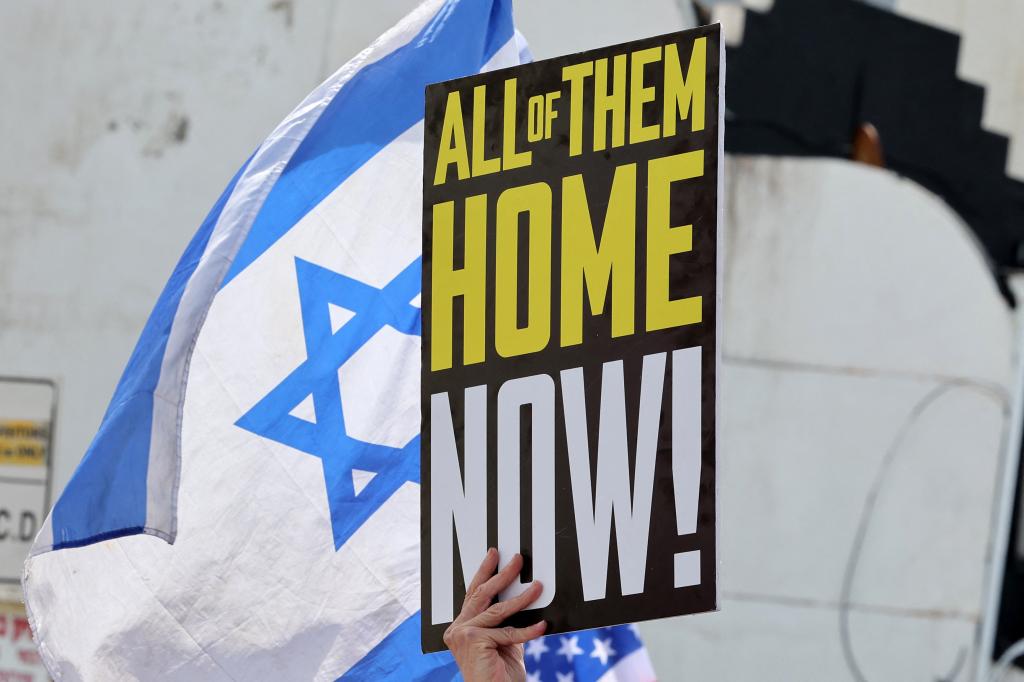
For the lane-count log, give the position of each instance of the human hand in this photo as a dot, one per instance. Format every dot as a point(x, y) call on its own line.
point(483, 651)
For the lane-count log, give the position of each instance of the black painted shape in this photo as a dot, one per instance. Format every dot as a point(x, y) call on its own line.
point(808, 72)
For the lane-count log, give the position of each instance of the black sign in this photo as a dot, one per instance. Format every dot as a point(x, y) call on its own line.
point(570, 303)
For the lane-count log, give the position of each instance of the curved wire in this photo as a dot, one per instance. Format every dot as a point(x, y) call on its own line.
point(1002, 666)
point(867, 513)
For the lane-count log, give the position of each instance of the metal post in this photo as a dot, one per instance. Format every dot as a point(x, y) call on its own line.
point(1009, 470)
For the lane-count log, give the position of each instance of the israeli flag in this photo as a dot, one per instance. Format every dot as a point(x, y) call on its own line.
point(266, 426)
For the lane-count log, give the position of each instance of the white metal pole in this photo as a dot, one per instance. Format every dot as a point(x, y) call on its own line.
point(1006, 484)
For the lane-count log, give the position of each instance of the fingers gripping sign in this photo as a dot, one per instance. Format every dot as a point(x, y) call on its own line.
point(485, 651)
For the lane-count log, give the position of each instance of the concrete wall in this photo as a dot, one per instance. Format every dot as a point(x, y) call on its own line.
point(858, 364)
point(864, 339)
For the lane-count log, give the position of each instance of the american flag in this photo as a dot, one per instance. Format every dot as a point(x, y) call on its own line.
point(614, 654)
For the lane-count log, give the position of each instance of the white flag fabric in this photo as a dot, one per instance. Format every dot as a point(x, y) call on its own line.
point(249, 509)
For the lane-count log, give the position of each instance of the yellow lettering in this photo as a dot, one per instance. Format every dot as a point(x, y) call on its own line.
point(664, 240)
point(685, 97)
point(510, 157)
point(575, 74)
point(509, 339)
point(552, 113)
point(606, 101)
point(470, 282)
point(640, 95)
point(584, 262)
point(481, 164)
point(453, 141)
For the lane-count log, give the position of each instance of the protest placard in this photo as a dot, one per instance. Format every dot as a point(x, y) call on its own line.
point(572, 225)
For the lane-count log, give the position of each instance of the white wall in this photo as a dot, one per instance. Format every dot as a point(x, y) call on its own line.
point(865, 341)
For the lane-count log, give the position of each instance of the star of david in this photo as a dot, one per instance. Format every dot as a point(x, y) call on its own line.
point(381, 469)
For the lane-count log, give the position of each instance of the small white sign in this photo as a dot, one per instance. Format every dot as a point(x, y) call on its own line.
point(19, 660)
point(26, 415)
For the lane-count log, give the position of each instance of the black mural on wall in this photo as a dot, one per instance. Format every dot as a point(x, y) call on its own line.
point(808, 74)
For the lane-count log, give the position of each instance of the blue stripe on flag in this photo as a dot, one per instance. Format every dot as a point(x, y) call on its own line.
point(398, 658)
point(106, 496)
point(378, 104)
